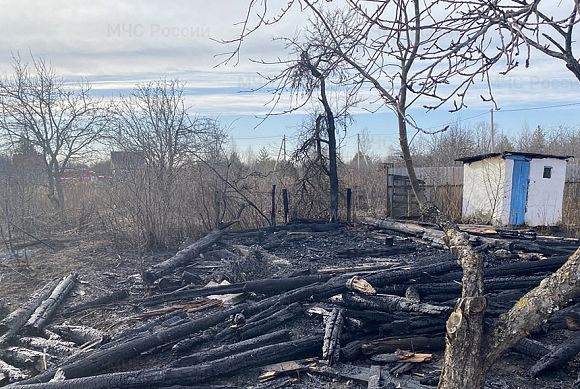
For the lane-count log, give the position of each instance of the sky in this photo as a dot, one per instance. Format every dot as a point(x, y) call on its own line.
point(117, 44)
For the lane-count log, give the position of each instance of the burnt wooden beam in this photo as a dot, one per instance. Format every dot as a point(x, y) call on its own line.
point(48, 307)
point(391, 303)
point(214, 353)
point(416, 343)
point(332, 336)
point(182, 257)
point(192, 375)
point(109, 298)
point(558, 357)
point(376, 252)
point(272, 286)
point(531, 348)
point(14, 322)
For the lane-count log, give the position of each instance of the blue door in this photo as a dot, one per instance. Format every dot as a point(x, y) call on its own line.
point(519, 195)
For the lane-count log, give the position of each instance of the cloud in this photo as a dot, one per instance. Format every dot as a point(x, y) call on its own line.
point(116, 44)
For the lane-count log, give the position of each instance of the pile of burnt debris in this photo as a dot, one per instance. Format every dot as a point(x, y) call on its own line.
point(301, 304)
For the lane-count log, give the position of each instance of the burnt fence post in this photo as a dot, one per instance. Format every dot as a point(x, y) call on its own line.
point(285, 200)
point(273, 213)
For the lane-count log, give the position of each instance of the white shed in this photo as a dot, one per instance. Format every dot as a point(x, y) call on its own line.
point(512, 188)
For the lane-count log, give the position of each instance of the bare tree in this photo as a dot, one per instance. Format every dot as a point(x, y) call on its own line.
point(62, 121)
point(310, 74)
point(154, 123)
point(551, 34)
point(430, 53)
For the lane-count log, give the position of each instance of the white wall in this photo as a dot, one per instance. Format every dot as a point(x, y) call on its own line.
point(545, 195)
point(484, 187)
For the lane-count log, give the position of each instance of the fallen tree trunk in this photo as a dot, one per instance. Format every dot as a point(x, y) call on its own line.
point(48, 307)
point(191, 375)
point(211, 354)
point(14, 322)
point(557, 357)
point(182, 257)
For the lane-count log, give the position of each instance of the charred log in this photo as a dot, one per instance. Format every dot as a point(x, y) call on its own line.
point(182, 257)
point(13, 322)
point(48, 307)
point(557, 357)
point(416, 343)
point(231, 349)
point(390, 303)
point(332, 335)
point(271, 286)
point(113, 297)
point(191, 375)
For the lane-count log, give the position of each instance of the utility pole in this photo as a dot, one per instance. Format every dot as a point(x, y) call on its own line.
point(282, 147)
point(358, 151)
point(492, 134)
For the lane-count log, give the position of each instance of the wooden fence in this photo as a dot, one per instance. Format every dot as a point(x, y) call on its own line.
point(444, 186)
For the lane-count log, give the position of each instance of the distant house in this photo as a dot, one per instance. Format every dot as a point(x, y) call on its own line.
point(514, 188)
point(79, 175)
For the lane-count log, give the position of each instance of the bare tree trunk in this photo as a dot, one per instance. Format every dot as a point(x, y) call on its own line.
point(469, 352)
point(333, 166)
point(59, 191)
point(331, 130)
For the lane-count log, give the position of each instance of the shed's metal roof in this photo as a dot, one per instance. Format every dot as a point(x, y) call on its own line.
point(505, 154)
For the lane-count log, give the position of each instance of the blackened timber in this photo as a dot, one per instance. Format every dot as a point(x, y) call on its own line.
point(48, 307)
point(515, 269)
point(102, 359)
point(121, 351)
point(113, 297)
point(182, 257)
point(332, 336)
point(78, 334)
point(211, 354)
point(270, 286)
point(416, 325)
point(255, 328)
point(376, 252)
point(390, 303)
point(387, 277)
point(531, 348)
point(558, 357)
point(191, 375)
point(14, 322)
point(416, 343)
point(507, 283)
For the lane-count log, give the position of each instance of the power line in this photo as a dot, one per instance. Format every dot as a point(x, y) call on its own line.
point(536, 108)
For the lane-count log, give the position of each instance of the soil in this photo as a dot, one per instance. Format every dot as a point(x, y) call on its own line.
point(102, 268)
